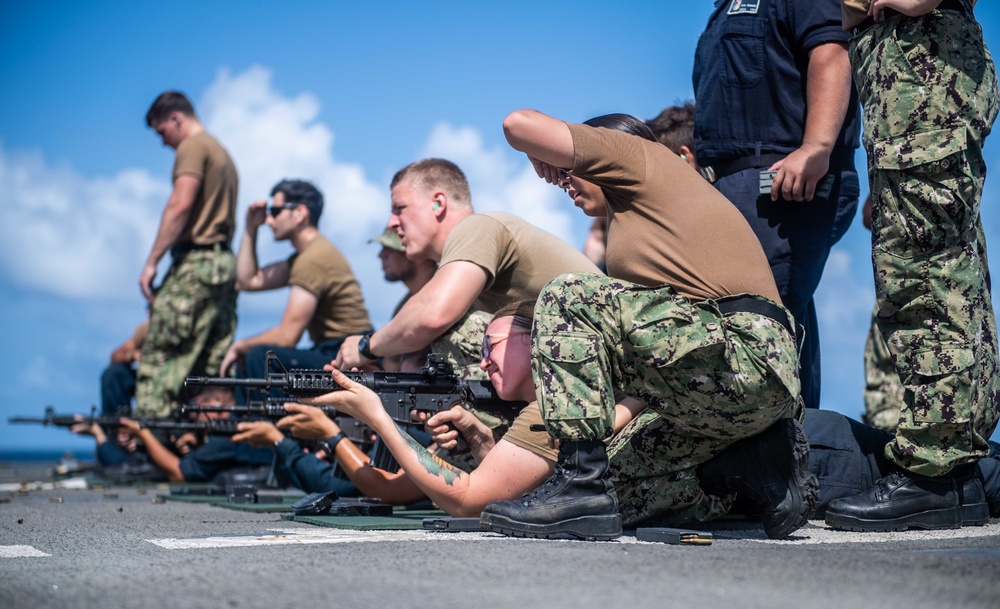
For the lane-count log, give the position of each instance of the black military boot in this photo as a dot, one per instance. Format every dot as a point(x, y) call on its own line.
point(900, 501)
point(972, 500)
point(576, 502)
point(988, 473)
point(770, 472)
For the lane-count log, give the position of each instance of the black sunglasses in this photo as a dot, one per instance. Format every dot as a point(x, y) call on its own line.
point(488, 344)
point(274, 210)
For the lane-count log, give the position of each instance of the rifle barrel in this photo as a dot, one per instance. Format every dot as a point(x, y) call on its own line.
point(219, 381)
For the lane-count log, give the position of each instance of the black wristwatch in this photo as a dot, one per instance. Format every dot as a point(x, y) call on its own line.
point(363, 347)
point(330, 444)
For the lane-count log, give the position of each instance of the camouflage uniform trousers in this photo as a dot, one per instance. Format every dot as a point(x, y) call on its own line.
point(192, 323)
point(712, 379)
point(883, 391)
point(929, 93)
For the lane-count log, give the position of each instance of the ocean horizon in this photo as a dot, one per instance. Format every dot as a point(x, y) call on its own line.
point(44, 454)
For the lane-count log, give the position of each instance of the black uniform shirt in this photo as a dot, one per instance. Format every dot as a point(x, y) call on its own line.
point(750, 77)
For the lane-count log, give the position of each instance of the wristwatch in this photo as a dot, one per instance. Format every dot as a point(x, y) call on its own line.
point(330, 444)
point(363, 347)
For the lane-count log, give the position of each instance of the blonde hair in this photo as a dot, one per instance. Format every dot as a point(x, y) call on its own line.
point(437, 173)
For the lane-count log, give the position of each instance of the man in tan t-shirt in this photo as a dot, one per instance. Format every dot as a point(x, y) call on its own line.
point(324, 296)
point(485, 260)
point(193, 317)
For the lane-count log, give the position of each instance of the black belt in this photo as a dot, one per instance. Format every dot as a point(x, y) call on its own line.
point(840, 157)
point(946, 5)
point(183, 249)
point(725, 168)
point(749, 304)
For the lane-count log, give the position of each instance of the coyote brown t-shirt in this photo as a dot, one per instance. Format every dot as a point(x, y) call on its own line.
point(324, 272)
point(213, 214)
point(666, 224)
point(519, 258)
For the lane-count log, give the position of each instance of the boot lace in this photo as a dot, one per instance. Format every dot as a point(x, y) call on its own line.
point(546, 489)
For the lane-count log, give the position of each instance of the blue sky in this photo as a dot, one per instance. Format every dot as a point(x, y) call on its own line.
point(340, 93)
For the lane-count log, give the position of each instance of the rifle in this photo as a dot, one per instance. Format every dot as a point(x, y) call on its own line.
point(220, 427)
point(434, 388)
point(273, 409)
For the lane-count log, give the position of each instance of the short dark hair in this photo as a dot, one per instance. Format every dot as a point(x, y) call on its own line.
point(437, 173)
point(167, 103)
point(522, 311)
point(622, 122)
point(300, 191)
point(674, 127)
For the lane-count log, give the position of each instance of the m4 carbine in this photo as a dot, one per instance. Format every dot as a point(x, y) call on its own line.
point(434, 388)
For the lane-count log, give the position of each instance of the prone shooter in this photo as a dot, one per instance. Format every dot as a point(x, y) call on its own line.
point(434, 388)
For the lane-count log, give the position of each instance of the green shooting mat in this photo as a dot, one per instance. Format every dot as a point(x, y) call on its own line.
point(265, 503)
point(401, 520)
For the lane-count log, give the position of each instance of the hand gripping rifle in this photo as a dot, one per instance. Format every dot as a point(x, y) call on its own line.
point(434, 388)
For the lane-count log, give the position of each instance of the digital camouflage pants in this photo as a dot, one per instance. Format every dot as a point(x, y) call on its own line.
point(712, 379)
point(883, 391)
point(191, 324)
point(929, 94)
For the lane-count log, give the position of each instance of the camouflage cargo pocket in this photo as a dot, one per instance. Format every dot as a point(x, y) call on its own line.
point(568, 366)
point(930, 368)
point(664, 333)
point(213, 268)
point(171, 322)
point(934, 202)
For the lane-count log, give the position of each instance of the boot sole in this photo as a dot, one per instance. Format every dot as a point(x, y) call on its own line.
point(933, 519)
point(588, 528)
point(803, 490)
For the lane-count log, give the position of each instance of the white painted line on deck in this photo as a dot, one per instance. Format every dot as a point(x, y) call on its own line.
point(288, 536)
point(69, 483)
point(810, 534)
point(20, 552)
point(814, 533)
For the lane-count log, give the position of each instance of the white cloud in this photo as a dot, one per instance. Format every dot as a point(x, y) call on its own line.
point(72, 236)
point(85, 238)
point(272, 136)
point(80, 237)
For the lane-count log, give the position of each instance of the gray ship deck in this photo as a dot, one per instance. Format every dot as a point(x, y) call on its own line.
point(123, 547)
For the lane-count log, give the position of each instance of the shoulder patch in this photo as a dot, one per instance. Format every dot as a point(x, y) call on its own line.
point(743, 7)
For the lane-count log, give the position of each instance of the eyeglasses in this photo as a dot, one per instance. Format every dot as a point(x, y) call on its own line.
point(487, 346)
point(563, 180)
point(274, 210)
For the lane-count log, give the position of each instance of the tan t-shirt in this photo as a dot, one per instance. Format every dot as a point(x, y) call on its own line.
point(323, 271)
point(666, 224)
point(518, 257)
point(537, 442)
point(213, 215)
point(854, 12)
point(139, 336)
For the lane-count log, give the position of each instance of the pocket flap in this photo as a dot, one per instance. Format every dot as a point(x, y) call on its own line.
point(569, 347)
point(912, 149)
point(942, 361)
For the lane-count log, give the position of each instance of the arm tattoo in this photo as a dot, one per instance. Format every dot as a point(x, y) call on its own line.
point(433, 464)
